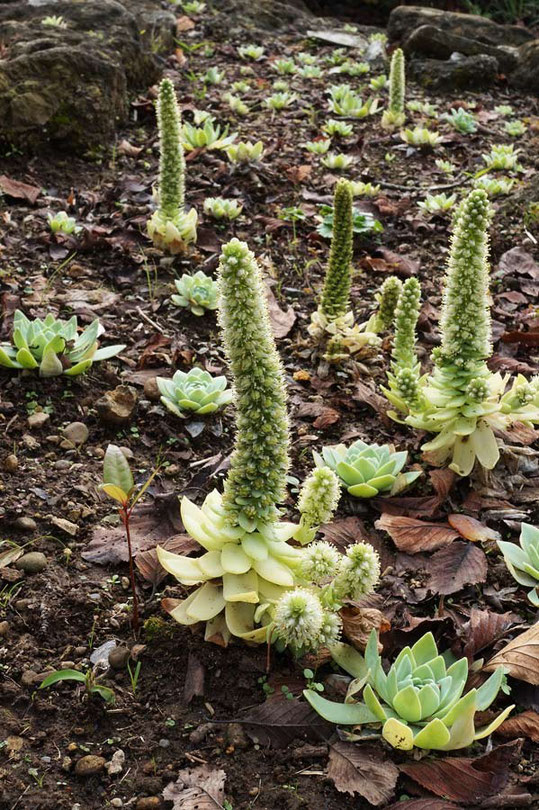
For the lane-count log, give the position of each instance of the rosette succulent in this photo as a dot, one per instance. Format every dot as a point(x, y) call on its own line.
point(419, 703)
point(194, 392)
point(222, 208)
point(367, 470)
point(54, 346)
point(523, 560)
point(210, 136)
point(421, 137)
point(63, 223)
point(197, 292)
point(245, 152)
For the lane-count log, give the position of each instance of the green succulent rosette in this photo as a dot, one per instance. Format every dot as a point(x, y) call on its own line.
point(173, 234)
point(195, 391)
point(367, 470)
point(523, 560)
point(198, 292)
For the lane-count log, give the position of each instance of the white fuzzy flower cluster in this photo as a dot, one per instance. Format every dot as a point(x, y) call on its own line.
point(359, 572)
point(317, 502)
point(320, 561)
point(299, 619)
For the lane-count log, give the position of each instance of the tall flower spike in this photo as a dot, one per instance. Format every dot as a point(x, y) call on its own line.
point(317, 502)
point(465, 317)
point(336, 293)
point(257, 476)
point(394, 115)
point(388, 299)
point(406, 315)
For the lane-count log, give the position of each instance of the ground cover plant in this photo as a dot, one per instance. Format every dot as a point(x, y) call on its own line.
point(268, 440)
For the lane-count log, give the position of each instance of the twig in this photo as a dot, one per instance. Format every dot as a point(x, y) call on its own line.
point(152, 323)
point(458, 182)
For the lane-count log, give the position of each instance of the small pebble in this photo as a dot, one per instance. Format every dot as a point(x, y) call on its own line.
point(37, 420)
point(11, 463)
point(118, 657)
point(148, 803)
point(4, 629)
point(76, 434)
point(62, 464)
point(117, 802)
point(67, 665)
point(25, 524)
point(151, 391)
point(32, 563)
point(89, 765)
point(164, 743)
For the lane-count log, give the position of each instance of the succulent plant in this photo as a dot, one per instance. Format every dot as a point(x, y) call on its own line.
point(523, 560)
point(339, 128)
point(318, 147)
point(352, 68)
point(421, 137)
point(195, 391)
point(437, 203)
point(336, 57)
point(236, 104)
point(504, 109)
point(360, 189)
point(254, 52)
point(423, 107)
point(54, 346)
point(350, 105)
point(213, 76)
point(445, 166)
point(278, 101)
point(367, 470)
point(494, 185)
point(394, 116)
point(502, 157)
point(245, 153)
point(63, 223)
point(461, 120)
point(337, 161)
point(378, 83)
point(197, 292)
point(388, 301)
point(419, 703)
point(170, 227)
point(54, 21)
point(193, 6)
point(310, 72)
point(317, 502)
point(210, 136)
point(306, 58)
point(515, 128)
point(284, 66)
point(222, 208)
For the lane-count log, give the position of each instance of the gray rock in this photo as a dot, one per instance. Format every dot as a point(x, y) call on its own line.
point(427, 40)
point(527, 73)
point(25, 524)
point(32, 563)
point(458, 73)
point(266, 15)
point(37, 420)
point(116, 764)
point(76, 433)
point(89, 765)
point(405, 19)
point(118, 657)
point(101, 654)
point(118, 406)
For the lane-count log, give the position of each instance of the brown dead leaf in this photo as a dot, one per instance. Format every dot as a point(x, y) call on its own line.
point(442, 480)
point(412, 535)
point(401, 265)
point(184, 23)
point(518, 261)
point(518, 432)
point(126, 148)
point(200, 788)
point(10, 555)
point(281, 320)
point(150, 567)
point(19, 190)
point(472, 529)
point(297, 174)
point(523, 725)
point(530, 338)
point(465, 779)
point(278, 721)
point(423, 804)
point(502, 362)
point(362, 770)
point(323, 414)
point(357, 624)
point(194, 679)
point(153, 353)
point(452, 568)
point(520, 657)
point(483, 629)
point(362, 393)
point(345, 532)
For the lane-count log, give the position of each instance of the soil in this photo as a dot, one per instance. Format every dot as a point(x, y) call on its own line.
point(189, 692)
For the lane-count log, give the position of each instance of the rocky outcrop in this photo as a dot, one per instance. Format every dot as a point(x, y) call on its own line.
point(405, 19)
point(427, 40)
point(265, 15)
point(527, 73)
point(457, 73)
point(70, 82)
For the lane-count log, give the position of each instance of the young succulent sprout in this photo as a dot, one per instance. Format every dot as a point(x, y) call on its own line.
point(319, 147)
point(245, 153)
point(210, 136)
point(515, 128)
point(170, 227)
point(394, 116)
point(278, 101)
point(421, 137)
point(350, 105)
point(213, 76)
point(310, 72)
point(284, 66)
point(502, 157)
point(523, 560)
point(222, 208)
point(419, 703)
point(361, 189)
point(437, 203)
point(317, 502)
point(367, 470)
point(236, 104)
point(461, 120)
point(197, 292)
point(494, 185)
point(339, 128)
point(54, 346)
point(196, 391)
point(379, 82)
point(63, 223)
point(254, 52)
point(338, 161)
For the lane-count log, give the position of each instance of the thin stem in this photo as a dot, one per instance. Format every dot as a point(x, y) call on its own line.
point(135, 621)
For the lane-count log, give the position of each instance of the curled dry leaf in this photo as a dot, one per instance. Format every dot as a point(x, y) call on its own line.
point(522, 725)
point(200, 788)
point(345, 532)
point(465, 779)
point(364, 770)
point(324, 416)
point(520, 657)
point(483, 629)
point(150, 567)
point(412, 535)
point(362, 393)
point(19, 190)
point(281, 320)
point(472, 529)
point(452, 568)
point(278, 721)
point(357, 624)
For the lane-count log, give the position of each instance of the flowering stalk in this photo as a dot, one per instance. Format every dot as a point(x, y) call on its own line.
point(256, 479)
point(317, 502)
point(394, 115)
point(335, 300)
point(388, 300)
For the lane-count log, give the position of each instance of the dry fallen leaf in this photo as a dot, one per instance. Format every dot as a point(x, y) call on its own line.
point(126, 148)
point(423, 804)
point(452, 568)
point(200, 788)
point(184, 23)
point(18, 190)
point(483, 629)
point(357, 624)
point(281, 320)
point(522, 725)
point(324, 416)
point(412, 535)
point(520, 657)
point(364, 770)
point(472, 529)
point(279, 721)
point(150, 567)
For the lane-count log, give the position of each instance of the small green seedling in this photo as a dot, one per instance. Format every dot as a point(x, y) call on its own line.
point(89, 679)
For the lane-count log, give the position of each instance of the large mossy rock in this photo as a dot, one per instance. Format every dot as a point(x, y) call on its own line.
point(405, 19)
point(427, 40)
point(458, 73)
point(526, 75)
point(265, 15)
point(70, 84)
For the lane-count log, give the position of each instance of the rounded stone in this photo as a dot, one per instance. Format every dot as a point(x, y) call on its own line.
point(32, 563)
point(151, 391)
point(148, 803)
point(25, 524)
point(37, 420)
point(11, 463)
point(118, 657)
point(76, 432)
point(89, 765)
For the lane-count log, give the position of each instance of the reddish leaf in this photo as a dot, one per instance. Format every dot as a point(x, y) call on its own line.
point(18, 190)
point(126, 148)
point(364, 770)
point(296, 174)
point(412, 535)
point(483, 629)
point(401, 265)
point(523, 725)
point(362, 393)
point(501, 362)
point(454, 567)
point(472, 529)
point(464, 779)
point(442, 481)
point(324, 415)
point(345, 532)
point(150, 567)
point(526, 338)
point(426, 506)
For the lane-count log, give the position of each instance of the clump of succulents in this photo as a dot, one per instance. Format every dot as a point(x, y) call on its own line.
point(319, 147)
point(193, 6)
point(286, 67)
point(240, 86)
point(254, 52)
point(461, 120)
point(494, 185)
point(305, 58)
point(196, 391)
point(248, 565)
point(523, 560)
point(421, 138)
point(197, 292)
point(378, 83)
point(461, 400)
point(63, 223)
point(515, 128)
point(170, 227)
point(504, 109)
point(278, 101)
point(437, 203)
point(423, 107)
point(236, 104)
point(336, 57)
point(310, 72)
point(350, 105)
point(419, 703)
point(352, 68)
point(502, 157)
point(245, 153)
point(54, 346)
point(213, 76)
point(340, 129)
point(394, 116)
point(210, 136)
point(362, 222)
point(54, 21)
point(445, 166)
point(367, 470)
point(337, 161)
point(360, 189)
point(222, 208)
